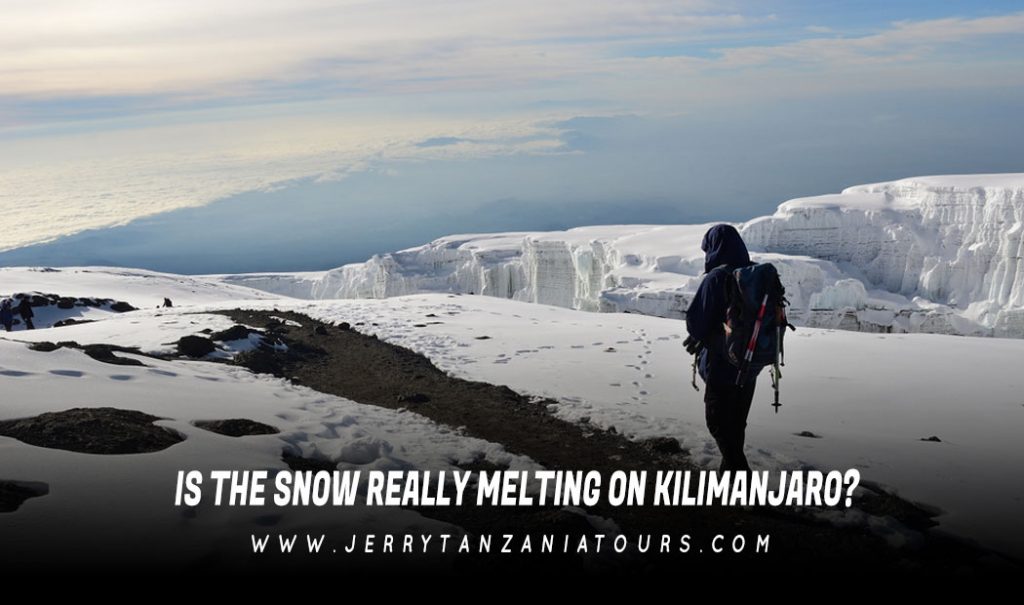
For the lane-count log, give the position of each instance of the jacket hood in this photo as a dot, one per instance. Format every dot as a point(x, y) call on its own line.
point(722, 245)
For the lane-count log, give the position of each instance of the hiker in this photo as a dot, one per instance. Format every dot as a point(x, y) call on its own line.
point(167, 303)
point(26, 312)
point(6, 314)
point(726, 403)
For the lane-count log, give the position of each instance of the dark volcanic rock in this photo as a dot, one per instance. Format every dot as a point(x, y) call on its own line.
point(14, 493)
point(66, 303)
point(344, 326)
point(195, 346)
point(93, 431)
point(933, 438)
point(320, 330)
point(413, 398)
point(71, 322)
point(665, 445)
point(235, 332)
point(99, 352)
point(105, 353)
point(807, 434)
point(121, 307)
point(261, 361)
point(236, 427)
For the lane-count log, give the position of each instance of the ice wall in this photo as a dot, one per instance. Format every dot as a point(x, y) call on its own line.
point(932, 254)
point(953, 243)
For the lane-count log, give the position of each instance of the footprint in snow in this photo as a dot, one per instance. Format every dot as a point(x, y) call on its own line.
point(68, 373)
point(163, 373)
point(14, 373)
point(121, 377)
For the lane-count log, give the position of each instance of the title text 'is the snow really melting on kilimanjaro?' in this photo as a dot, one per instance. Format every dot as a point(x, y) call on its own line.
point(516, 488)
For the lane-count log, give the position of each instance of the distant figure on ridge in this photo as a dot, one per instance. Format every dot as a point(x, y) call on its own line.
point(167, 303)
point(26, 312)
point(6, 314)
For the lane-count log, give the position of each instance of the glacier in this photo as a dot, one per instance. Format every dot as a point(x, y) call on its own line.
point(935, 254)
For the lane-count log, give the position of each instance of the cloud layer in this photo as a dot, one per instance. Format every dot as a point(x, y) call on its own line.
point(234, 48)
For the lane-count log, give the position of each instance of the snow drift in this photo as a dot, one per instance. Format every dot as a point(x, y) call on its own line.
point(931, 254)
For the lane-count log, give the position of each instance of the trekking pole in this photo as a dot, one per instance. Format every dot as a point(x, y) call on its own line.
point(693, 380)
point(749, 355)
point(776, 372)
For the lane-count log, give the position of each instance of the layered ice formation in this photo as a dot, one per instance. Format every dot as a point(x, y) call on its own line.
point(930, 254)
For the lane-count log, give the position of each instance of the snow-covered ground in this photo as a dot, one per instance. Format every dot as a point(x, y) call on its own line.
point(99, 495)
point(140, 487)
point(931, 254)
point(871, 398)
point(137, 286)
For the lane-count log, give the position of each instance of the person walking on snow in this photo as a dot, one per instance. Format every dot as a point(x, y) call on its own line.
point(726, 404)
point(6, 314)
point(26, 312)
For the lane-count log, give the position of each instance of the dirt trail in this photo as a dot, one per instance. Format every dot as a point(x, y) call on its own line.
point(363, 368)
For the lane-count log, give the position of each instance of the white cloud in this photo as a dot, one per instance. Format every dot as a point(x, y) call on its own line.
point(903, 41)
point(249, 49)
point(83, 47)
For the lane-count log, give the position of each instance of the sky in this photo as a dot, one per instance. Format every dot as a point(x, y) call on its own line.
point(370, 125)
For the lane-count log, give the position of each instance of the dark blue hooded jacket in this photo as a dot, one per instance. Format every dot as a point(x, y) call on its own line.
point(722, 245)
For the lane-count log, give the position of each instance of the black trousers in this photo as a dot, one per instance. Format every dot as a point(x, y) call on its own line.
point(726, 407)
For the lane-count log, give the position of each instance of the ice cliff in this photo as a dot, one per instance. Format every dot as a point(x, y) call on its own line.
point(931, 254)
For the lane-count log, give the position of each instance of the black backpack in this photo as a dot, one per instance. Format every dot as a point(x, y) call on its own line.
point(755, 318)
